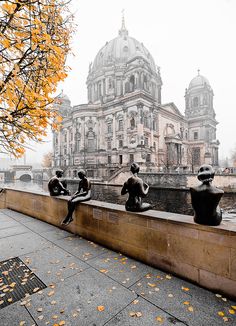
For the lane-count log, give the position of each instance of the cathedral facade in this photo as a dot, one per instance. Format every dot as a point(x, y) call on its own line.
point(125, 120)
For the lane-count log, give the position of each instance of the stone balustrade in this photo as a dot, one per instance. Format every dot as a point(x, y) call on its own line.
point(205, 255)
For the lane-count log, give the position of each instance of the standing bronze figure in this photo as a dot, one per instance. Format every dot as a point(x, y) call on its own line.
point(83, 194)
point(136, 189)
point(57, 186)
point(205, 198)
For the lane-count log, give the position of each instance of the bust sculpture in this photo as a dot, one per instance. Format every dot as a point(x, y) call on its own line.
point(205, 198)
point(57, 186)
point(136, 189)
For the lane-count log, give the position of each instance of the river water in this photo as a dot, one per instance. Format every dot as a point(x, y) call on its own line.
point(175, 201)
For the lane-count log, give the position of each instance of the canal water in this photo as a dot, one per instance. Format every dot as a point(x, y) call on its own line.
point(175, 201)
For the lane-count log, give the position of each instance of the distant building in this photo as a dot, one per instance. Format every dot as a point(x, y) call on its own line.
point(125, 119)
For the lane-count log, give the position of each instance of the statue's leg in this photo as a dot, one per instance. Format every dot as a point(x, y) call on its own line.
point(71, 207)
point(145, 207)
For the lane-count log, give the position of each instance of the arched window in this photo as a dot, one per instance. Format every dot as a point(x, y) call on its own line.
point(91, 141)
point(120, 125)
point(127, 87)
point(145, 121)
point(132, 82)
point(132, 123)
point(99, 90)
point(195, 102)
point(145, 86)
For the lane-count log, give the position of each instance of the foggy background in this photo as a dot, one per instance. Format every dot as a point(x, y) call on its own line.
point(182, 36)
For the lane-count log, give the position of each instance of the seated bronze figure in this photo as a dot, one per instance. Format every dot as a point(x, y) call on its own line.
point(136, 189)
point(56, 186)
point(205, 198)
point(83, 194)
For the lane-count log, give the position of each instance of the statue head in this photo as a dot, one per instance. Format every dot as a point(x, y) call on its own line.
point(206, 173)
point(59, 173)
point(134, 168)
point(81, 174)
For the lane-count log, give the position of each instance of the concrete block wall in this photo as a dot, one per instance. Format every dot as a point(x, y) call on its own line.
point(203, 254)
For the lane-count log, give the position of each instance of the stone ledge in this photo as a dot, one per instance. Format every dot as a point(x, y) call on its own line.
point(172, 242)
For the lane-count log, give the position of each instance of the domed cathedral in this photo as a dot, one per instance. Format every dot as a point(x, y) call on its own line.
point(200, 114)
point(125, 120)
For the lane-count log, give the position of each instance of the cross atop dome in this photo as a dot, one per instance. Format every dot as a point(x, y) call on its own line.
point(123, 31)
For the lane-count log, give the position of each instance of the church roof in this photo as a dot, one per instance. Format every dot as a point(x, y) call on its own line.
point(120, 50)
point(199, 81)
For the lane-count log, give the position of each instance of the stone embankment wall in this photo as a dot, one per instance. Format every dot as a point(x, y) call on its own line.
point(226, 182)
point(203, 254)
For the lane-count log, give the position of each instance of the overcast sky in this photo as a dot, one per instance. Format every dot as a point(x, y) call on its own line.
point(181, 35)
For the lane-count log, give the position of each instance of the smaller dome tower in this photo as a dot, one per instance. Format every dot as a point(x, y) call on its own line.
point(200, 115)
point(199, 97)
point(64, 104)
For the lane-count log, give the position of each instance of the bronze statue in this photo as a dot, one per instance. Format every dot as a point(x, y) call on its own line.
point(205, 198)
point(57, 186)
point(136, 189)
point(83, 194)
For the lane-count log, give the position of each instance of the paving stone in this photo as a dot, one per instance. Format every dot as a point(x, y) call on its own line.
point(17, 216)
point(78, 300)
point(122, 269)
point(13, 231)
point(193, 305)
point(8, 224)
point(39, 226)
point(21, 244)
point(142, 313)
point(81, 248)
point(5, 218)
point(56, 234)
point(53, 264)
point(14, 314)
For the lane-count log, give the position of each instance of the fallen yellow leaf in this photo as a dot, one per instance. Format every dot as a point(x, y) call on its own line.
point(100, 308)
point(185, 289)
point(233, 307)
point(159, 319)
point(103, 270)
point(22, 323)
point(61, 323)
point(139, 314)
point(190, 308)
point(220, 313)
point(168, 277)
point(186, 302)
point(50, 293)
point(231, 311)
point(225, 319)
point(152, 285)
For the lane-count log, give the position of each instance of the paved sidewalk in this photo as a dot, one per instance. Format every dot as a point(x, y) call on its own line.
point(91, 285)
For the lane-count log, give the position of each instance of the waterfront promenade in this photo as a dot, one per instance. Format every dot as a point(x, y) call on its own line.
point(77, 282)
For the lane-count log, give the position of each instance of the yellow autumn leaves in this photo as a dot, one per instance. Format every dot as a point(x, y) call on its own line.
point(34, 43)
